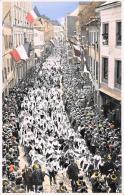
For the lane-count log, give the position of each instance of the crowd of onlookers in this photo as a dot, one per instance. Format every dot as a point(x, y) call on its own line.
point(11, 128)
point(101, 133)
point(73, 137)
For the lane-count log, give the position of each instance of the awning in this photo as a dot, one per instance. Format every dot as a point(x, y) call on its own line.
point(111, 92)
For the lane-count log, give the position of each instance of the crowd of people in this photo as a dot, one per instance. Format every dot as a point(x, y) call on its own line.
point(52, 116)
point(102, 135)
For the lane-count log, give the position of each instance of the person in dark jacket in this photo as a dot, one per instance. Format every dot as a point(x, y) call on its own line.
point(27, 179)
point(73, 172)
point(38, 178)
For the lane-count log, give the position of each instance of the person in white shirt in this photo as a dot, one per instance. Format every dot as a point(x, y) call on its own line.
point(52, 173)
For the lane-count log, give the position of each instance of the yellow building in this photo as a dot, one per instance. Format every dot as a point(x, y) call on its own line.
point(22, 31)
point(49, 30)
point(39, 41)
point(16, 31)
point(7, 61)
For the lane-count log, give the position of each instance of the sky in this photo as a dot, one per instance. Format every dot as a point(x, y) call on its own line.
point(56, 10)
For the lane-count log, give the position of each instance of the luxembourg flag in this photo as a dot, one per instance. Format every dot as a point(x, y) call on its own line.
point(31, 17)
point(19, 53)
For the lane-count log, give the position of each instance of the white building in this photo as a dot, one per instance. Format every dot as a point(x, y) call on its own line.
point(110, 55)
point(70, 24)
point(7, 61)
point(58, 32)
point(38, 42)
point(22, 30)
point(93, 30)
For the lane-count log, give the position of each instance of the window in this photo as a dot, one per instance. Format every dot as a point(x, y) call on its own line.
point(118, 33)
point(19, 39)
point(94, 37)
point(96, 70)
point(5, 73)
point(11, 64)
point(10, 41)
point(91, 64)
point(118, 73)
point(97, 36)
point(94, 66)
point(97, 46)
point(6, 41)
point(16, 43)
point(105, 34)
point(3, 76)
point(105, 69)
point(22, 40)
point(8, 65)
point(89, 37)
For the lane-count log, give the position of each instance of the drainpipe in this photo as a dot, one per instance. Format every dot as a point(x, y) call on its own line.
point(99, 63)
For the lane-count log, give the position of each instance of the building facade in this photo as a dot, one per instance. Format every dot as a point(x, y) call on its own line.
point(39, 40)
point(49, 30)
point(93, 31)
point(110, 57)
point(70, 26)
point(58, 32)
point(7, 61)
point(22, 32)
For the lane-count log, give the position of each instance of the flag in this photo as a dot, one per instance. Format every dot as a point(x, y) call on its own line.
point(77, 50)
point(19, 53)
point(31, 17)
point(84, 59)
point(52, 42)
point(71, 42)
point(40, 19)
point(85, 69)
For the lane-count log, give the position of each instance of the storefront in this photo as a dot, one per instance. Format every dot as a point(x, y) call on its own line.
point(111, 106)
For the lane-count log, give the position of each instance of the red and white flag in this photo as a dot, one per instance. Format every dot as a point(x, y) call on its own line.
point(51, 40)
point(31, 17)
point(19, 53)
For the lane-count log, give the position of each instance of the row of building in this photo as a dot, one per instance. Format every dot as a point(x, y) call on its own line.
point(16, 31)
point(98, 26)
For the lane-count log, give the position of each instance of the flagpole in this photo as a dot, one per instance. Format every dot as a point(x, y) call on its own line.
point(5, 54)
point(6, 16)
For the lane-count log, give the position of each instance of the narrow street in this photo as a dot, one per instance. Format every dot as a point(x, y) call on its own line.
point(51, 63)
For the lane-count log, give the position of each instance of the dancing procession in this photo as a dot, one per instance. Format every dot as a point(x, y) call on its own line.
point(56, 138)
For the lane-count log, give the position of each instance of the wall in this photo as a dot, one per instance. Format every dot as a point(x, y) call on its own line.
point(7, 62)
point(70, 26)
point(111, 51)
point(21, 29)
